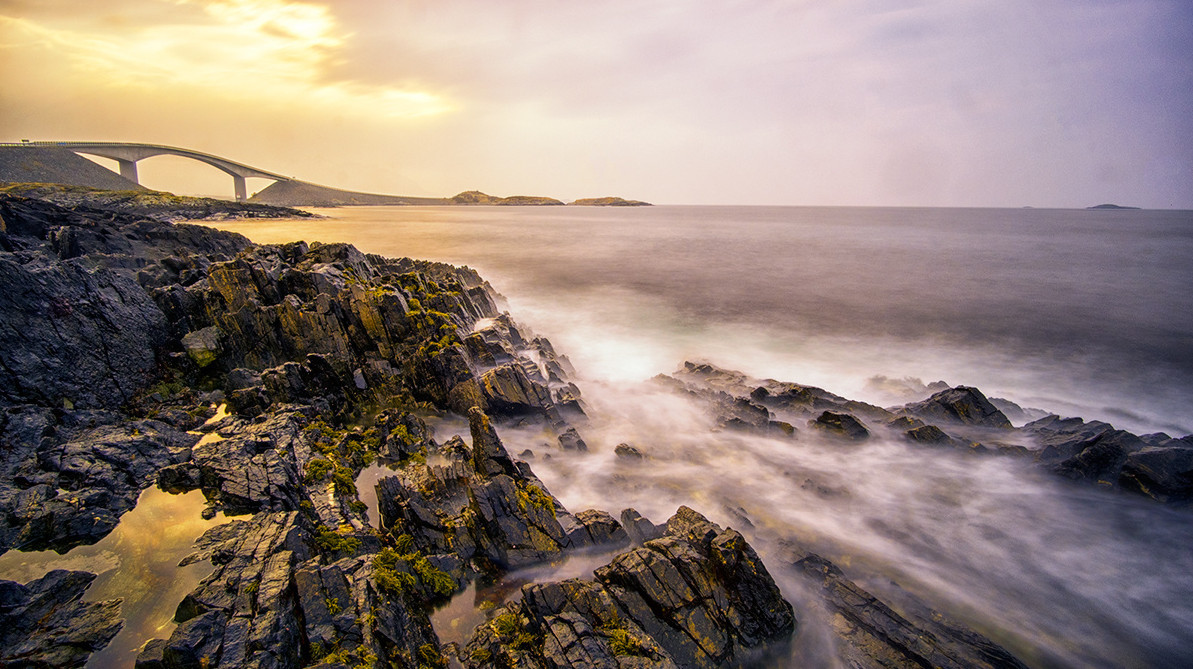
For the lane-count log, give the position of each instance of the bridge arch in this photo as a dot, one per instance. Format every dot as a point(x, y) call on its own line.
point(127, 154)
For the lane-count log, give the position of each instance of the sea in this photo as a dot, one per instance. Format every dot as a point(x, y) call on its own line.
point(1076, 312)
point(1083, 313)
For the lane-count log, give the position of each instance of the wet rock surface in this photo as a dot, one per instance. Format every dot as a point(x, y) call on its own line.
point(870, 633)
point(44, 623)
point(961, 418)
point(698, 596)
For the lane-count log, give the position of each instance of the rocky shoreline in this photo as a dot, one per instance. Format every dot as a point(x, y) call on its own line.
point(120, 334)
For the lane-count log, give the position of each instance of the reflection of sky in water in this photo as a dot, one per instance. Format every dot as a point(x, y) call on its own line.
point(136, 562)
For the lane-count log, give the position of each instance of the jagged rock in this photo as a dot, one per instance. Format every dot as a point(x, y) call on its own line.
point(639, 529)
point(489, 457)
point(870, 634)
point(1164, 473)
point(512, 529)
point(1093, 451)
point(1016, 413)
point(962, 404)
point(597, 528)
point(627, 451)
point(68, 476)
point(570, 440)
point(45, 624)
point(259, 466)
point(928, 434)
point(841, 425)
point(509, 391)
point(246, 612)
point(698, 596)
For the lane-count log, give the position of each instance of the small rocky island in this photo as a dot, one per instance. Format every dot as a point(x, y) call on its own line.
point(609, 202)
point(121, 332)
point(1110, 206)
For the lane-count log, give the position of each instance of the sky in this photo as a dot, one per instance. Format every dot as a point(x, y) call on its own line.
point(1006, 103)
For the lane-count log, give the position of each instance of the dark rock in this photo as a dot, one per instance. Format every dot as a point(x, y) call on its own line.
point(597, 528)
point(959, 405)
point(841, 425)
point(1164, 473)
point(66, 477)
point(870, 634)
point(627, 451)
point(509, 391)
point(489, 457)
point(928, 434)
point(511, 528)
point(1016, 413)
point(72, 335)
point(698, 596)
point(570, 440)
point(44, 623)
point(1092, 451)
point(639, 529)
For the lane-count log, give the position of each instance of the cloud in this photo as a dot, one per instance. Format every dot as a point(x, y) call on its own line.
point(247, 50)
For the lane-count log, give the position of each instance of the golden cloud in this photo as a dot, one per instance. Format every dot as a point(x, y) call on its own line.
point(249, 50)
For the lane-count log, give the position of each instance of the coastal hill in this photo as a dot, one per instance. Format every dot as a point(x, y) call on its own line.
point(1110, 206)
point(477, 197)
point(28, 164)
point(609, 202)
point(305, 194)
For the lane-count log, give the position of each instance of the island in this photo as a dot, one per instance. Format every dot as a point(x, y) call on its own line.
point(609, 202)
point(1110, 206)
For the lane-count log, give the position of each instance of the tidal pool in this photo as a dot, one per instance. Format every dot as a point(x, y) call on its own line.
point(137, 562)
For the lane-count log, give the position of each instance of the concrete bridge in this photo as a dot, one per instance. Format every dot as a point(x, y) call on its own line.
point(127, 154)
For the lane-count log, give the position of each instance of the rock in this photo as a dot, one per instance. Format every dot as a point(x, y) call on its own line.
point(639, 529)
point(597, 528)
point(1016, 413)
point(698, 596)
point(66, 477)
point(1092, 451)
point(45, 623)
point(489, 456)
point(511, 528)
point(70, 334)
point(627, 451)
point(1164, 473)
point(509, 391)
point(840, 425)
point(928, 434)
point(962, 404)
point(870, 634)
point(203, 346)
point(570, 440)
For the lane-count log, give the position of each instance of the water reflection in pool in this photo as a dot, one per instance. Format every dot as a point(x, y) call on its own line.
point(136, 562)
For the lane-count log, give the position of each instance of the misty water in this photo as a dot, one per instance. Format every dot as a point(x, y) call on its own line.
point(1084, 313)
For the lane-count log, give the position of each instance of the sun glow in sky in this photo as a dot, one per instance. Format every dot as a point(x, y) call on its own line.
point(982, 103)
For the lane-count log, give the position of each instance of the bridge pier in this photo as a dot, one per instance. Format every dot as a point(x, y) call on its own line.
point(128, 169)
point(242, 192)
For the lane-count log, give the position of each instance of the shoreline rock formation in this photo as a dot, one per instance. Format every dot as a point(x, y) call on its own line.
point(1157, 466)
point(119, 335)
point(120, 332)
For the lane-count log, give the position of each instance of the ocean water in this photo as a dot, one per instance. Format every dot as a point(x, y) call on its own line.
point(1084, 313)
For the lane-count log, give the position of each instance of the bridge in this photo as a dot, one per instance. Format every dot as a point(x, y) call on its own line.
point(127, 154)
